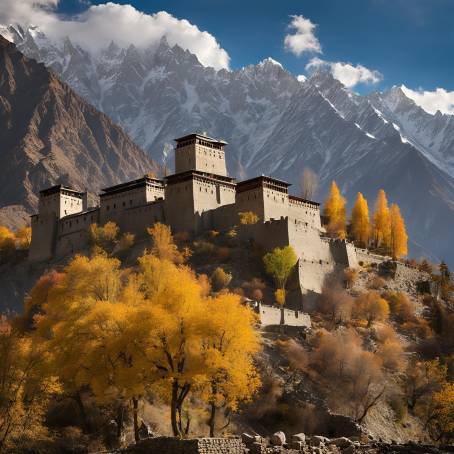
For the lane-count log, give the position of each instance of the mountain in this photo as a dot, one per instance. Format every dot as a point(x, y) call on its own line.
point(50, 135)
point(274, 123)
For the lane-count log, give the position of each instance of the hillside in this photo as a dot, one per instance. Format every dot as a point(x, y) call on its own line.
point(377, 353)
point(50, 135)
point(275, 124)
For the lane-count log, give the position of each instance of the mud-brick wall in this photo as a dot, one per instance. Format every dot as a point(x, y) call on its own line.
point(171, 445)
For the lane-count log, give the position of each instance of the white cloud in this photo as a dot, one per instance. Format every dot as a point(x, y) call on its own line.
point(346, 73)
point(124, 24)
point(303, 38)
point(301, 78)
point(431, 101)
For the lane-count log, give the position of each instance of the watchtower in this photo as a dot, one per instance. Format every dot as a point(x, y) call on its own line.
point(202, 153)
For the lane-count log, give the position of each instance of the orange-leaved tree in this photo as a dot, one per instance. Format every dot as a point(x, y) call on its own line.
point(399, 237)
point(382, 222)
point(360, 228)
point(335, 211)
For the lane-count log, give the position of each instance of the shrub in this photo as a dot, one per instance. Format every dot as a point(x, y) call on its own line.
point(231, 233)
point(248, 218)
point(371, 307)
point(351, 274)
point(104, 237)
point(220, 279)
point(376, 283)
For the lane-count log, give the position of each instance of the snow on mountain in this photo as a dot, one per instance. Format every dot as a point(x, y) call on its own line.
point(275, 124)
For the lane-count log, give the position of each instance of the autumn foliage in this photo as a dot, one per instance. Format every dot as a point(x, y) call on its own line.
point(335, 211)
point(126, 334)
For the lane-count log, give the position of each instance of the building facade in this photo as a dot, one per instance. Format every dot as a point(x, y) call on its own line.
point(199, 196)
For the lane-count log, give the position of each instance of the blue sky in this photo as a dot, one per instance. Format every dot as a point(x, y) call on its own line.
point(366, 44)
point(407, 41)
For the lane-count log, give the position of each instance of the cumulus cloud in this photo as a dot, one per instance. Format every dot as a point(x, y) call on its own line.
point(100, 24)
point(431, 101)
point(302, 39)
point(346, 73)
point(301, 78)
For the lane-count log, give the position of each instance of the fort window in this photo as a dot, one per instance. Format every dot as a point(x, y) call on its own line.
point(115, 205)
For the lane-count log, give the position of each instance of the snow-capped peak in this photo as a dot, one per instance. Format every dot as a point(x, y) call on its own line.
point(271, 61)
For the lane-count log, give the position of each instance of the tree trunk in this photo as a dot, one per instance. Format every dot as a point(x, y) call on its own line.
point(135, 404)
point(212, 421)
point(174, 410)
point(83, 414)
point(120, 420)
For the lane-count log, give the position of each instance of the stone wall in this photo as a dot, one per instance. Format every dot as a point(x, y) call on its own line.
point(367, 257)
point(271, 315)
point(171, 445)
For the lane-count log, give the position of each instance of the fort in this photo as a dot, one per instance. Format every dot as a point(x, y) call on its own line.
point(198, 197)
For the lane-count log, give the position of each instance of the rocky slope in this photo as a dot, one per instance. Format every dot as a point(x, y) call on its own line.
point(275, 124)
point(51, 135)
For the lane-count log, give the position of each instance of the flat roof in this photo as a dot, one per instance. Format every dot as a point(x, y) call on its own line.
point(127, 186)
point(189, 174)
point(80, 213)
point(201, 136)
point(258, 181)
point(59, 188)
point(301, 199)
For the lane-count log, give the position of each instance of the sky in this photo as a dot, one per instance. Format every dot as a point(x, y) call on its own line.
point(367, 44)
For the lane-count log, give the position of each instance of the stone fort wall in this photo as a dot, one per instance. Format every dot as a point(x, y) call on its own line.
point(171, 445)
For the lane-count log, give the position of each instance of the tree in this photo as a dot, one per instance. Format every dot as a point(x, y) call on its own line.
point(308, 184)
point(371, 306)
point(441, 423)
point(399, 238)
point(24, 390)
point(248, 218)
point(7, 243)
point(229, 345)
point(279, 264)
point(104, 237)
point(173, 327)
point(335, 212)
point(163, 245)
point(382, 222)
point(360, 221)
point(24, 237)
point(220, 279)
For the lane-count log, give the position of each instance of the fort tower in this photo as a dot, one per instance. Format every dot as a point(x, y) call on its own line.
point(200, 152)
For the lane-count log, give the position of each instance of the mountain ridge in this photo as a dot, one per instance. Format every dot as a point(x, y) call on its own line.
point(53, 136)
point(274, 123)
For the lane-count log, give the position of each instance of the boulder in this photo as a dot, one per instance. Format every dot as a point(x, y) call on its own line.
point(247, 439)
point(278, 439)
point(298, 445)
point(341, 442)
point(299, 437)
point(348, 450)
point(318, 440)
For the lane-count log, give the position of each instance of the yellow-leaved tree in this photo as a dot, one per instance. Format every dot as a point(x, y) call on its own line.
point(229, 345)
point(78, 321)
point(382, 222)
point(248, 217)
point(335, 211)
point(399, 238)
point(279, 264)
point(371, 306)
point(24, 390)
point(360, 228)
point(164, 246)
